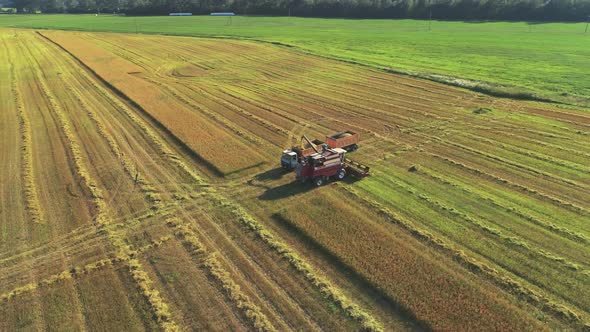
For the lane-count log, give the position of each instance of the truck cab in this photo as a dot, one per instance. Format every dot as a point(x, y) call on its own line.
point(289, 160)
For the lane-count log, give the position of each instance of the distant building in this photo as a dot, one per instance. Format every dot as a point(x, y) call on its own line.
point(224, 14)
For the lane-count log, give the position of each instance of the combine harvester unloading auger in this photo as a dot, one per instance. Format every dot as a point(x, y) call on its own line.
point(331, 163)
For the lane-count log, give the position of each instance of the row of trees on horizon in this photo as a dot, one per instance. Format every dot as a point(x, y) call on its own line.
point(541, 10)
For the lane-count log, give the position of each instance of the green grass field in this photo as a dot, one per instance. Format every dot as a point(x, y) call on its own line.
point(548, 60)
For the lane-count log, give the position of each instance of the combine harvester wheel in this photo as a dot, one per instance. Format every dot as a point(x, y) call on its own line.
point(319, 181)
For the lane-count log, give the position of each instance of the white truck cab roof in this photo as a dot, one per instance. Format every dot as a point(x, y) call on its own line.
point(289, 152)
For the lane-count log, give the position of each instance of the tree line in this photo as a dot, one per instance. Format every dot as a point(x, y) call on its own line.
point(541, 10)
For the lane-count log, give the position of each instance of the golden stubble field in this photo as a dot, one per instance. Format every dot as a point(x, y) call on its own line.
point(140, 190)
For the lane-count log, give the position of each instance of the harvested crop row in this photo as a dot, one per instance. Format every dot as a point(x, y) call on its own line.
point(74, 148)
point(490, 225)
point(65, 275)
point(560, 151)
point(73, 273)
point(286, 295)
point(80, 234)
point(26, 266)
point(194, 297)
point(223, 150)
point(30, 189)
point(240, 269)
point(368, 322)
point(347, 234)
point(122, 251)
point(160, 309)
point(414, 200)
point(552, 163)
point(11, 192)
point(81, 252)
point(505, 205)
point(250, 310)
point(524, 162)
point(152, 196)
point(485, 270)
point(508, 178)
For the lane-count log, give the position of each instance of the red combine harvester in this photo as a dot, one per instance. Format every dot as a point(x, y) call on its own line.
point(319, 167)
